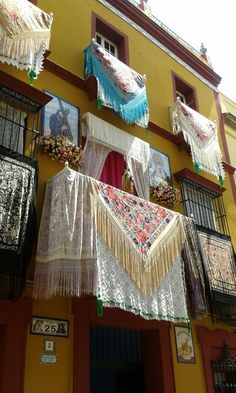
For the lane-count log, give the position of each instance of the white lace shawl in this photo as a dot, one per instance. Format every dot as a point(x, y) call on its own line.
point(74, 257)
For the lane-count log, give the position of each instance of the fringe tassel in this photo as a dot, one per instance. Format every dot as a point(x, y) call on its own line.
point(210, 161)
point(133, 109)
point(67, 279)
point(24, 44)
point(145, 272)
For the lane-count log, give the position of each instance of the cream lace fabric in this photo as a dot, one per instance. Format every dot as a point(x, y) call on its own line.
point(201, 135)
point(24, 34)
point(88, 227)
point(117, 289)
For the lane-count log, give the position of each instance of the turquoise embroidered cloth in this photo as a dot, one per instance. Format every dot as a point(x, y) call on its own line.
point(119, 87)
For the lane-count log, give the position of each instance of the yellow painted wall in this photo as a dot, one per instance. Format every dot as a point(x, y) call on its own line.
point(71, 33)
point(50, 378)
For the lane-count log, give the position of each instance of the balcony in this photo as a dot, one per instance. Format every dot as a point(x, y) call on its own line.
point(20, 114)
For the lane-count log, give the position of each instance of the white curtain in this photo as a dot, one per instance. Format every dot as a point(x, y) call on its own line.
point(95, 156)
point(102, 138)
point(12, 123)
point(140, 175)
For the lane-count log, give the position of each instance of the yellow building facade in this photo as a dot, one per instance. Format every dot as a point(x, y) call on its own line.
point(173, 69)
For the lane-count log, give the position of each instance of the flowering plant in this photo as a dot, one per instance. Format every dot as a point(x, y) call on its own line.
point(165, 194)
point(62, 149)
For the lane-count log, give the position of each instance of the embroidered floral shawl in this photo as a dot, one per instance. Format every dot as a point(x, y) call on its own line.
point(18, 176)
point(98, 240)
point(24, 34)
point(119, 87)
point(201, 135)
point(220, 269)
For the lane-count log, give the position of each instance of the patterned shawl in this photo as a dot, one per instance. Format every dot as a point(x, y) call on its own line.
point(201, 135)
point(96, 239)
point(194, 274)
point(220, 270)
point(24, 34)
point(18, 177)
point(119, 87)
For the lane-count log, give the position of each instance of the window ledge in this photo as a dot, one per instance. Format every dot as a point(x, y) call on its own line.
point(188, 174)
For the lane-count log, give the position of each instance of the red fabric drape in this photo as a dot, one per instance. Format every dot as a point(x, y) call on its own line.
point(113, 170)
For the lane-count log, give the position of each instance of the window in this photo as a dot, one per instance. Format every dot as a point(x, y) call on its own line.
point(198, 203)
point(20, 106)
point(202, 200)
point(107, 45)
point(184, 91)
point(181, 97)
point(110, 38)
point(224, 371)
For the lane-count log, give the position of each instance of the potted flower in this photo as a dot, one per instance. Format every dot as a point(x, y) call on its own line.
point(62, 149)
point(165, 194)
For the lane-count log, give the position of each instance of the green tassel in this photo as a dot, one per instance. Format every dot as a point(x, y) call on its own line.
point(221, 181)
point(99, 104)
point(196, 167)
point(189, 326)
point(32, 76)
point(99, 307)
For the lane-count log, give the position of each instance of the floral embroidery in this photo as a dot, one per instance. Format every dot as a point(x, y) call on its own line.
point(141, 220)
point(119, 87)
point(13, 15)
point(203, 134)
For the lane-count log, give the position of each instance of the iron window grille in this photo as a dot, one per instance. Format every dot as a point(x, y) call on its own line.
point(224, 372)
point(205, 206)
point(19, 122)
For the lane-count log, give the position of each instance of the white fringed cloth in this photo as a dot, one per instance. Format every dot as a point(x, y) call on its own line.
point(95, 239)
point(201, 135)
point(24, 34)
point(102, 138)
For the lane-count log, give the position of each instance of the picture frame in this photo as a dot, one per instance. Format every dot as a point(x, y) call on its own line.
point(61, 118)
point(184, 345)
point(159, 168)
point(45, 326)
point(49, 345)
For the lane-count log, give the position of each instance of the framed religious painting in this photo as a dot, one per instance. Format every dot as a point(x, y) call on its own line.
point(159, 168)
point(61, 118)
point(184, 345)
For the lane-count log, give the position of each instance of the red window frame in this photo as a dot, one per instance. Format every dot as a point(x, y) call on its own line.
point(186, 89)
point(101, 26)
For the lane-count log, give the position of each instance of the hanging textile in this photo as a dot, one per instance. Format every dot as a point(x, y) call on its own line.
point(220, 269)
point(18, 177)
point(24, 34)
point(194, 275)
point(102, 138)
point(119, 87)
point(201, 135)
point(87, 225)
point(12, 124)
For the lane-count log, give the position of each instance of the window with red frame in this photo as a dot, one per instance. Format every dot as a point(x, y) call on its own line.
point(184, 91)
point(112, 37)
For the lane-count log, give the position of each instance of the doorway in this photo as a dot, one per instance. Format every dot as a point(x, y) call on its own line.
point(115, 361)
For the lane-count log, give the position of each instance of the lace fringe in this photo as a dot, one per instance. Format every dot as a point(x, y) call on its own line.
point(71, 279)
point(210, 161)
point(145, 272)
point(24, 44)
